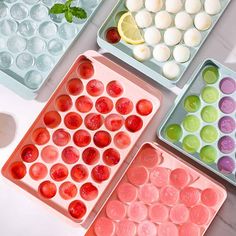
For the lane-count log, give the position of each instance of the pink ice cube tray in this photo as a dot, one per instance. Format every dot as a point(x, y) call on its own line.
point(159, 194)
point(80, 139)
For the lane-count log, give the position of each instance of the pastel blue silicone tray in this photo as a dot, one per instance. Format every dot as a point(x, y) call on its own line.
point(150, 67)
point(224, 163)
point(32, 42)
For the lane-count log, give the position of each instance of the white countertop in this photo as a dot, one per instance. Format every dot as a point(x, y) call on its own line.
point(20, 215)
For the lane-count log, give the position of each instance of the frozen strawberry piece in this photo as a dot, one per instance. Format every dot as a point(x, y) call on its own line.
point(49, 154)
point(63, 103)
point(88, 191)
point(144, 107)
point(18, 170)
point(77, 209)
point(70, 155)
point(52, 119)
point(68, 190)
point(100, 173)
point(29, 153)
point(122, 140)
point(124, 106)
point(112, 35)
point(60, 137)
point(95, 88)
point(104, 105)
point(83, 104)
point(102, 139)
point(79, 173)
point(133, 123)
point(82, 138)
point(115, 89)
point(111, 157)
point(40, 136)
point(59, 172)
point(93, 121)
point(73, 120)
point(91, 156)
point(38, 171)
point(85, 69)
point(75, 87)
point(114, 122)
point(47, 189)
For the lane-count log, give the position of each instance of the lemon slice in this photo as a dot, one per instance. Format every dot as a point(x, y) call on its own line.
point(129, 30)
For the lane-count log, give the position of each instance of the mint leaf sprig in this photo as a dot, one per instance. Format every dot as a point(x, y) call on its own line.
point(69, 12)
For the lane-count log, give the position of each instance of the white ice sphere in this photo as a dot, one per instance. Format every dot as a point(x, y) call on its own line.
point(192, 37)
point(27, 28)
point(173, 6)
point(3, 10)
point(8, 27)
point(134, 5)
point(193, 6)
point(171, 70)
point(181, 53)
point(33, 79)
point(154, 5)
point(16, 44)
point(44, 62)
point(19, 11)
point(161, 52)
point(39, 12)
point(143, 19)
point(163, 20)
point(6, 60)
point(212, 7)
point(56, 46)
point(67, 31)
point(142, 52)
point(24, 60)
point(152, 36)
point(183, 20)
point(172, 36)
point(36, 45)
point(202, 21)
point(47, 29)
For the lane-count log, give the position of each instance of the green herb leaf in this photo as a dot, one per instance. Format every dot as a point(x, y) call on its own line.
point(68, 3)
point(57, 9)
point(69, 16)
point(79, 12)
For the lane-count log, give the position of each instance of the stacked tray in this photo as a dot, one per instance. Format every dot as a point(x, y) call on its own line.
point(32, 41)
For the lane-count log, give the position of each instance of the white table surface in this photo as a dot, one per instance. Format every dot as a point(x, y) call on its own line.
point(20, 215)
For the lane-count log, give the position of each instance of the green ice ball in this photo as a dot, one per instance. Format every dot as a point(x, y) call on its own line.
point(191, 123)
point(210, 94)
point(192, 103)
point(173, 132)
point(208, 154)
point(210, 74)
point(209, 114)
point(209, 134)
point(191, 143)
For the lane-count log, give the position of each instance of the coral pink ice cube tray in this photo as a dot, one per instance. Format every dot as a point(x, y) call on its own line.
point(72, 151)
point(162, 195)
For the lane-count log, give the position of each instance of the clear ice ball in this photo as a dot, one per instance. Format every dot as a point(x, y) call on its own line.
point(24, 61)
point(8, 27)
point(67, 31)
point(27, 28)
point(30, 2)
point(19, 11)
point(3, 10)
point(36, 45)
point(33, 79)
point(39, 12)
point(6, 60)
point(44, 62)
point(16, 44)
point(47, 29)
point(56, 47)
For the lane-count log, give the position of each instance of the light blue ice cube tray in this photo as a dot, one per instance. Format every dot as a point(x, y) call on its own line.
point(32, 42)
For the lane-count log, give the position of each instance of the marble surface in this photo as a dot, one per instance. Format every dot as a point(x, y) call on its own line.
point(20, 214)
